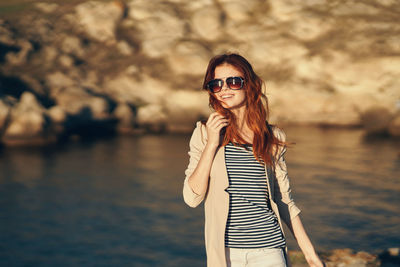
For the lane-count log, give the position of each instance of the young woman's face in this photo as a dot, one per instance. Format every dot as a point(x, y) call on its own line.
point(230, 99)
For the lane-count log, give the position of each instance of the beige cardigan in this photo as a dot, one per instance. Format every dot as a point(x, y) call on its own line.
point(216, 202)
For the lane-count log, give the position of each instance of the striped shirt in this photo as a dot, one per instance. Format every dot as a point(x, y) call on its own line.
point(251, 222)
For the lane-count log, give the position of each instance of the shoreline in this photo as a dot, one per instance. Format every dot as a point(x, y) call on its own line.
point(348, 257)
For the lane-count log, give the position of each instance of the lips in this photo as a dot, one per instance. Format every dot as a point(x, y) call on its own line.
point(226, 96)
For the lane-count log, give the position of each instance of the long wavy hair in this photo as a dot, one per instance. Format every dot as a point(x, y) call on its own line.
point(256, 115)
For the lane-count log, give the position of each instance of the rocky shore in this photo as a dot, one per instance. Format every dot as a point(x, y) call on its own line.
point(78, 69)
point(350, 258)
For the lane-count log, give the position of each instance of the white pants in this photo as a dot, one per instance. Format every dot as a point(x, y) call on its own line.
point(255, 257)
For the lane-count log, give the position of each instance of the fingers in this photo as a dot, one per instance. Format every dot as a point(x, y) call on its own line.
point(214, 125)
point(216, 121)
point(213, 116)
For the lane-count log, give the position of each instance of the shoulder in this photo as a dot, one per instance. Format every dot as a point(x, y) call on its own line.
point(278, 133)
point(199, 133)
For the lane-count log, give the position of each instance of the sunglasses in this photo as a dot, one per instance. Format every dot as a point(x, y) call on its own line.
point(234, 83)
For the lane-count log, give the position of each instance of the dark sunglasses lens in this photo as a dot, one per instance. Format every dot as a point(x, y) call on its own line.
point(215, 85)
point(234, 83)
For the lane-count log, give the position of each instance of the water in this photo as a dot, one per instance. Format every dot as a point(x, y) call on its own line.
point(118, 202)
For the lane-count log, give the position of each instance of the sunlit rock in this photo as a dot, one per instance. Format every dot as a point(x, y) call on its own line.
point(56, 114)
point(125, 116)
point(152, 117)
point(324, 62)
point(306, 27)
point(72, 45)
point(269, 50)
point(6, 35)
point(376, 120)
point(100, 19)
point(347, 257)
point(127, 89)
point(46, 7)
point(184, 108)
point(189, 58)
point(49, 54)
point(207, 23)
point(27, 120)
point(20, 57)
point(66, 61)
point(160, 32)
point(237, 11)
point(4, 114)
point(124, 48)
point(394, 129)
point(353, 8)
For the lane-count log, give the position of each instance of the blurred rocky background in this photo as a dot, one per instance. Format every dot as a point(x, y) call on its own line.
point(77, 69)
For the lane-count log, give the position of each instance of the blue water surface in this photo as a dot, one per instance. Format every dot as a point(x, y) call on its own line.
point(118, 201)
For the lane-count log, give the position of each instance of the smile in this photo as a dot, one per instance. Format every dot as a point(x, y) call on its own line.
point(226, 96)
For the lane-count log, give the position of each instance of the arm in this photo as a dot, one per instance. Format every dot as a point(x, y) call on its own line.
point(298, 231)
point(288, 209)
point(201, 159)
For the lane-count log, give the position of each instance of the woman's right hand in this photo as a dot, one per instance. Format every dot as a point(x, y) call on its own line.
point(214, 125)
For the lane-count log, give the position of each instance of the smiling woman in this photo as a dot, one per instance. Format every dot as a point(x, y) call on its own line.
point(237, 166)
point(230, 95)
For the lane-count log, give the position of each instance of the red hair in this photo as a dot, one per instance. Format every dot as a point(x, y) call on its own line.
point(257, 110)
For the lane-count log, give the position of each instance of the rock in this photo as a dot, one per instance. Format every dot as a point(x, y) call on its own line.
point(50, 53)
point(74, 99)
point(185, 107)
point(59, 80)
point(99, 107)
point(237, 12)
point(33, 84)
point(56, 114)
point(46, 7)
point(309, 107)
point(207, 23)
point(29, 125)
point(6, 35)
point(152, 117)
point(284, 10)
point(324, 62)
point(100, 19)
point(376, 120)
point(266, 50)
point(189, 58)
point(44, 29)
point(72, 45)
point(394, 252)
point(132, 70)
point(159, 32)
point(66, 61)
point(394, 129)
point(27, 121)
point(20, 57)
point(192, 6)
point(124, 48)
point(139, 10)
point(146, 90)
point(347, 258)
point(353, 8)
point(4, 114)
point(58, 117)
point(125, 116)
point(307, 27)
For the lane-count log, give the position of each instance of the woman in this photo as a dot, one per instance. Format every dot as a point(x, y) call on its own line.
point(237, 167)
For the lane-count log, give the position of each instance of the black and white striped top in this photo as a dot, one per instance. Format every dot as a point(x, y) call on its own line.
point(251, 222)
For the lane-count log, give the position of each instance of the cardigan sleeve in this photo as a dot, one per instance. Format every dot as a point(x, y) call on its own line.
point(287, 208)
point(196, 147)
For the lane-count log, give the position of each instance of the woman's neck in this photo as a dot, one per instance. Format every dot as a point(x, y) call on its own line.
point(244, 130)
point(240, 116)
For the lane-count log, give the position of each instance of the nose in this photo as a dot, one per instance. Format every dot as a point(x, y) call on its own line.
point(224, 86)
